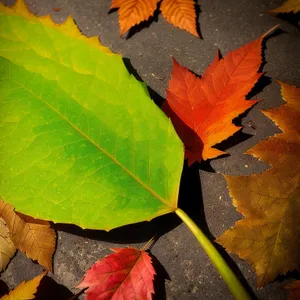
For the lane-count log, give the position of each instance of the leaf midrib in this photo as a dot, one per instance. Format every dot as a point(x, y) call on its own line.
point(102, 150)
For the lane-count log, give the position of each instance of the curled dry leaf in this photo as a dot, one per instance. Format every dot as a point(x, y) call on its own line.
point(294, 290)
point(268, 236)
point(31, 236)
point(125, 274)
point(26, 290)
point(202, 109)
point(179, 13)
point(7, 247)
point(287, 6)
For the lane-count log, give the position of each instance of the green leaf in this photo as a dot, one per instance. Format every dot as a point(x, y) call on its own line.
point(81, 141)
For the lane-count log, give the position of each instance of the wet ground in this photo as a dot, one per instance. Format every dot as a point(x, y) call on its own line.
point(185, 272)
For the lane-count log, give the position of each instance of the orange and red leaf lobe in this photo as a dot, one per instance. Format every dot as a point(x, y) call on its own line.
point(208, 105)
point(125, 274)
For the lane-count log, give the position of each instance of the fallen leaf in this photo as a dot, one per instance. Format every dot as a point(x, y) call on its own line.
point(7, 248)
point(126, 274)
point(133, 12)
point(202, 109)
point(287, 6)
point(180, 13)
point(81, 140)
point(30, 236)
point(268, 237)
point(25, 290)
point(294, 290)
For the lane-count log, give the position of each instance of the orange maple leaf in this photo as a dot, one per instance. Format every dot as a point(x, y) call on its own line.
point(180, 13)
point(202, 109)
point(133, 12)
point(268, 237)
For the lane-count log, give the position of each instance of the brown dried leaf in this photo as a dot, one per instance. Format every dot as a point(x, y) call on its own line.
point(268, 237)
point(7, 247)
point(31, 236)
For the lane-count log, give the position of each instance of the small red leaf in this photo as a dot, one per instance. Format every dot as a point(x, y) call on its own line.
point(126, 274)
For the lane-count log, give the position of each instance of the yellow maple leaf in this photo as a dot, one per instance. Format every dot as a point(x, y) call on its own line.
point(7, 247)
point(294, 290)
point(287, 6)
point(179, 13)
point(31, 236)
point(268, 237)
point(25, 290)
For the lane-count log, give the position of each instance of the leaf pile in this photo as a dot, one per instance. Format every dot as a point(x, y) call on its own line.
point(268, 236)
point(82, 143)
point(180, 13)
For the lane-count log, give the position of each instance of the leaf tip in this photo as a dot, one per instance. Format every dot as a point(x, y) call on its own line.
point(122, 30)
point(174, 61)
point(282, 85)
point(48, 265)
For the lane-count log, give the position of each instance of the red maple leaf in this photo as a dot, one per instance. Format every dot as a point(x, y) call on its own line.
point(202, 109)
point(125, 274)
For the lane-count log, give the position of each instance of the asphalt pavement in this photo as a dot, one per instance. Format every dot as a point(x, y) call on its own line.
point(185, 271)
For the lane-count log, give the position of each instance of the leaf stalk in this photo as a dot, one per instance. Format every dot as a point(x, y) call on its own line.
point(235, 286)
point(149, 243)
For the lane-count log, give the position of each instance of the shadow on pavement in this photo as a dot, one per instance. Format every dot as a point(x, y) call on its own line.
point(159, 279)
point(191, 201)
point(3, 288)
point(292, 18)
point(49, 290)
